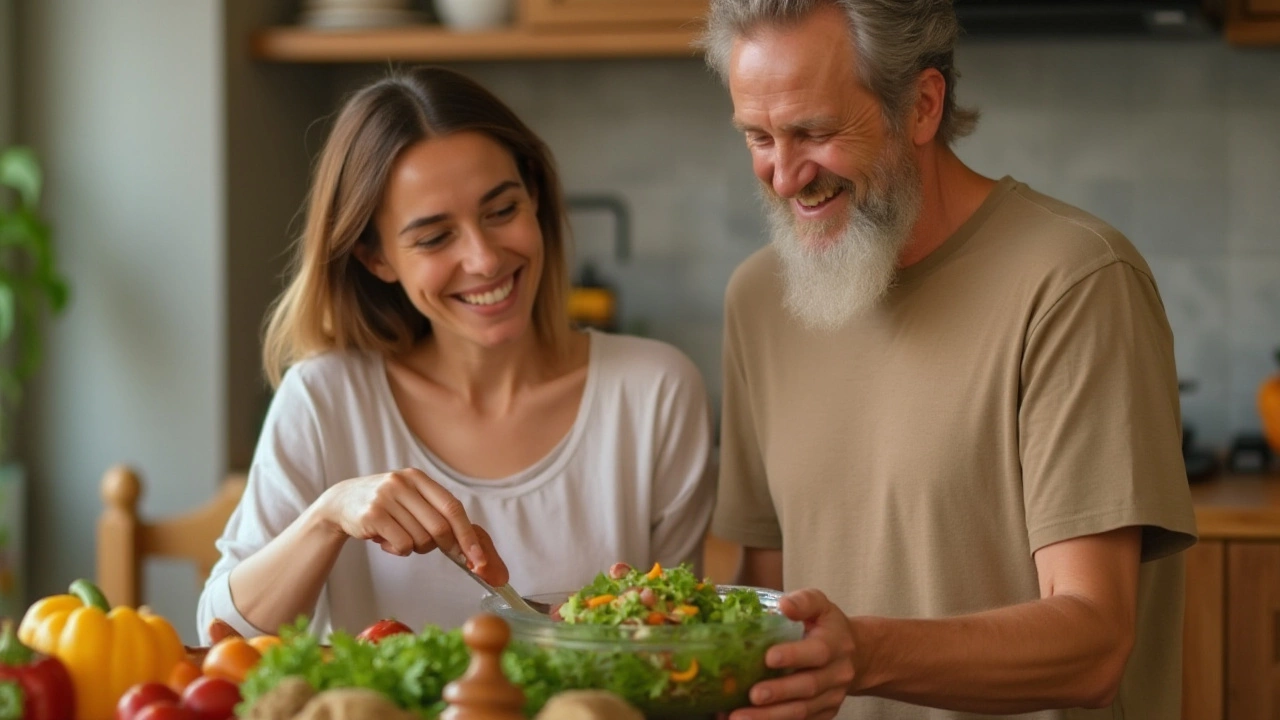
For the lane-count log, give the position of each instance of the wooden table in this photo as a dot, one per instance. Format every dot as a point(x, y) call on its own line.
point(1231, 636)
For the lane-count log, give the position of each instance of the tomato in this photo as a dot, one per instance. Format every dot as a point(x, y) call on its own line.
point(142, 695)
point(166, 710)
point(212, 698)
point(182, 674)
point(262, 643)
point(231, 659)
point(383, 628)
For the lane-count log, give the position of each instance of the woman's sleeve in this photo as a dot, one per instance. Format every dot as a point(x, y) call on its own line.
point(683, 485)
point(285, 478)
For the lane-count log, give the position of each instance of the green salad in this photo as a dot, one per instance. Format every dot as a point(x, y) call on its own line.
point(673, 645)
point(672, 596)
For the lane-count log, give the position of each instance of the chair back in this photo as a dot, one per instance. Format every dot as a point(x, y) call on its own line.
point(126, 541)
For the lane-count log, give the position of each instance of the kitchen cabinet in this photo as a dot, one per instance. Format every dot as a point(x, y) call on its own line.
point(1253, 22)
point(1231, 631)
point(610, 13)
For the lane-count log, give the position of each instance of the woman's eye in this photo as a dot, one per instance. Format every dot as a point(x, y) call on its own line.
point(432, 241)
point(505, 212)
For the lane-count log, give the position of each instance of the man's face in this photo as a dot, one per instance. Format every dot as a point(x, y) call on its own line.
point(841, 190)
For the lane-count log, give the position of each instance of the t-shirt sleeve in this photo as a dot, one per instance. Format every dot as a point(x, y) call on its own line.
point(744, 512)
point(286, 476)
point(1099, 421)
point(684, 490)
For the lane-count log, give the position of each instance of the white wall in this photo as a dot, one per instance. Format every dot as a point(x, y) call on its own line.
point(123, 99)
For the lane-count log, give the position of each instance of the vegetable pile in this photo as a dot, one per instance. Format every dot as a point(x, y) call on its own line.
point(665, 641)
point(410, 669)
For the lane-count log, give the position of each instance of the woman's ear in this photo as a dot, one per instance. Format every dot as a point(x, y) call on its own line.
point(370, 255)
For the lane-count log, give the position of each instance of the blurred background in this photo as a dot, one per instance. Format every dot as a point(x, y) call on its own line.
point(177, 137)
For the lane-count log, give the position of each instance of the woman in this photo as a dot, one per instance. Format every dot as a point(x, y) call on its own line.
point(430, 392)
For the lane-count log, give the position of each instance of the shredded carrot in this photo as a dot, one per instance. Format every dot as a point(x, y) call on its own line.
point(655, 572)
point(655, 618)
point(687, 674)
point(699, 586)
point(599, 600)
point(730, 685)
point(687, 609)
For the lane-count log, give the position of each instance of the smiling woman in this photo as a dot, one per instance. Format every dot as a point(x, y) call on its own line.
point(431, 392)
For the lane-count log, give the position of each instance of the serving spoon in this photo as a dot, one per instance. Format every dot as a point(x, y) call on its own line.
point(506, 592)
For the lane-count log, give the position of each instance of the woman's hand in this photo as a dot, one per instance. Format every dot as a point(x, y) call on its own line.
point(822, 663)
point(407, 512)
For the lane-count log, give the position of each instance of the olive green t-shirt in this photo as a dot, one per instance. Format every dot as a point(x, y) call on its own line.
point(1016, 388)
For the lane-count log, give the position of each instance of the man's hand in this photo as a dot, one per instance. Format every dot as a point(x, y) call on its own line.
point(822, 663)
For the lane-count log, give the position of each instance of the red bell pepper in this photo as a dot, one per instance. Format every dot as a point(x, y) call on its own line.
point(46, 686)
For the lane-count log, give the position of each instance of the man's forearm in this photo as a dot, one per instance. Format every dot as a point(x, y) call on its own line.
point(1056, 652)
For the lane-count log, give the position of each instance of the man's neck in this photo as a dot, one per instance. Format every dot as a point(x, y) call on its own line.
point(951, 192)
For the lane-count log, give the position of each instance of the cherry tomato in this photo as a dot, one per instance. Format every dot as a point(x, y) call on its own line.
point(383, 628)
point(166, 710)
point(142, 695)
point(212, 698)
point(182, 674)
point(231, 659)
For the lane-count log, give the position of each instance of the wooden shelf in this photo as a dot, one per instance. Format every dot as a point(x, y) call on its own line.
point(433, 44)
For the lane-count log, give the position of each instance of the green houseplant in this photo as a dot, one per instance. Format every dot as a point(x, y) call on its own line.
point(30, 285)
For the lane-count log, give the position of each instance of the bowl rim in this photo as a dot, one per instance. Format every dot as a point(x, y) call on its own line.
point(526, 627)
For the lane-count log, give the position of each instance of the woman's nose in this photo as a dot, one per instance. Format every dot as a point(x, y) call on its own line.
point(481, 255)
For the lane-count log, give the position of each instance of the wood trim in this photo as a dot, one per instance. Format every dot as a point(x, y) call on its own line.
point(1204, 626)
point(190, 536)
point(611, 13)
point(1252, 22)
point(1262, 7)
point(1252, 655)
point(433, 44)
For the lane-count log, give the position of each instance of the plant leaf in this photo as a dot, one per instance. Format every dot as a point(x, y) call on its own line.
point(7, 311)
point(20, 170)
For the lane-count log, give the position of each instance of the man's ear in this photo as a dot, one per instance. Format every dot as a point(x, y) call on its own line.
point(370, 255)
point(926, 116)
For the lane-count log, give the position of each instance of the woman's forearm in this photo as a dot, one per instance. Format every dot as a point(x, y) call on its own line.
point(283, 580)
point(1055, 652)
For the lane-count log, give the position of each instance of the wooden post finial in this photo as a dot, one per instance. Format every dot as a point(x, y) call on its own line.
point(484, 692)
point(121, 489)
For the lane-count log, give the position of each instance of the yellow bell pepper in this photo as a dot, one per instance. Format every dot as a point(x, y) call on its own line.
point(106, 651)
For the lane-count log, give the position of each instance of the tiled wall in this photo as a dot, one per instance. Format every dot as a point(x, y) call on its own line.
point(1175, 143)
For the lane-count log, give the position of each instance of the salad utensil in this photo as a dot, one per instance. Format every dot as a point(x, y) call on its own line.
point(517, 602)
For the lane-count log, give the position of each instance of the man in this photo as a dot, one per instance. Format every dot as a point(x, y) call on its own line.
point(950, 402)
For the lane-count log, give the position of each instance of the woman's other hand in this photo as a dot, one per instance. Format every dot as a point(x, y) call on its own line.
point(821, 664)
point(407, 512)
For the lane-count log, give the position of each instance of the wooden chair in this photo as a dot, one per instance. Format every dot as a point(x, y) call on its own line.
point(126, 541)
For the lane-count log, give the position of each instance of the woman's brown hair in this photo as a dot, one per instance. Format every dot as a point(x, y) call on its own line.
point(333, 302)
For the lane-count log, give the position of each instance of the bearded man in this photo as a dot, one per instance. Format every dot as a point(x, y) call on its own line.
point(951, 422)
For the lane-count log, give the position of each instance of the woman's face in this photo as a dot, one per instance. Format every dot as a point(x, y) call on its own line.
point(459, 231)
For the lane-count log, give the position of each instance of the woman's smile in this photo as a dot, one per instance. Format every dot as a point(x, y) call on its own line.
point(494, 298)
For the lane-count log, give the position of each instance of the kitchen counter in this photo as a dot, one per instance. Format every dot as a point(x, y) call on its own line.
point(1239, 507)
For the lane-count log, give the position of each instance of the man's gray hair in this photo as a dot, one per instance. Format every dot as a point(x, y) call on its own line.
point(895, 40)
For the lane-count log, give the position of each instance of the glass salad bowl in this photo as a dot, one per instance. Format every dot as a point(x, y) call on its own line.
point(666, 671)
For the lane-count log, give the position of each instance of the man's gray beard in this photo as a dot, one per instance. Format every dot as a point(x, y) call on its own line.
point(827, 285)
